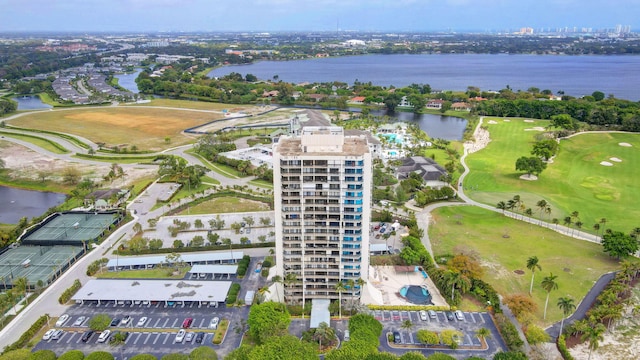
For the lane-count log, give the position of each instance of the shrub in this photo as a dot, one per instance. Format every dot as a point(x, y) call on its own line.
point(243, 265)
point(67, 294)
point(99, 355)
point(220, 332)
point(27, 335)
point(94, 267)
point(562, 347)
point(72, 355)
point(509, 333)
point(232, 296)
point(43, 355)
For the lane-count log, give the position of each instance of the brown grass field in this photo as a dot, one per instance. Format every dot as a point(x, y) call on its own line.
point(198, 105)
point(145, 128)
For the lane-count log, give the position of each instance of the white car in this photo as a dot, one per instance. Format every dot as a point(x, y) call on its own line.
point(104, 336)
point(62, 319)
point(189, 337)
point(125, 320)
point(79, 321)
point(423, 315)
point(180, 335)
point(142, 321)
point(48, 334)
point(214, 323)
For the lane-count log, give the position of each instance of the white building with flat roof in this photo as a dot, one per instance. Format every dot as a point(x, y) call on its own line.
point(323, 184)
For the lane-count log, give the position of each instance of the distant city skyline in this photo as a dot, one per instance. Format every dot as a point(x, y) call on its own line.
point(315, 15)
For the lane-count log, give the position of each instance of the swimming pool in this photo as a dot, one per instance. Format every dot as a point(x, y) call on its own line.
point(416, 294)
point(392, 137)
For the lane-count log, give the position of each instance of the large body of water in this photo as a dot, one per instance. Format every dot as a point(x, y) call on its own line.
point(575, 75)
point(16, 203)
point(128, 81)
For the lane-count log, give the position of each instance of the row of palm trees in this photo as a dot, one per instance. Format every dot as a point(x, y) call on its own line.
point(291, 279)
point(10, 297)
point(549, 283)
point(572, 221)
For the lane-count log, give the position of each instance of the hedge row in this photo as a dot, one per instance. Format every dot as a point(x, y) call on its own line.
point(70, 138)
point(93, 268)
point(51, 142)
point(562, 347)
point(232, 296)
point(116, 158)
point(509, 333)
point(485, 292)
point(408, 307)
point(243, 265)
point(194, 249)
point(28, 335)
point(67, 294)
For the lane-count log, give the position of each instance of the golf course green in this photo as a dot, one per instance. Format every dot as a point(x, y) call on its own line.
point(595, 174)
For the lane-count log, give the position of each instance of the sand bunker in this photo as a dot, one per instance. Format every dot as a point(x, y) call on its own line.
point(506, 120)
point(615, 159)
point(528, 121)
point(625, 144)
point(606, 163)
point(528, 177)
point(491, 122)
point(537, 128)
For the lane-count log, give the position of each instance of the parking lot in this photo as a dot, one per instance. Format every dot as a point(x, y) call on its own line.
point(469, 323)
point(157, 335)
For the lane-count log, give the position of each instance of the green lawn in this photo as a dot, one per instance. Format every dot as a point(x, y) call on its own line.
point(473, 230)
point(575, 181)
point(41, 142)
point(226, 205)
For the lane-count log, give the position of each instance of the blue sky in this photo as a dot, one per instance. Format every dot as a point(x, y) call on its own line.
point(313, 15)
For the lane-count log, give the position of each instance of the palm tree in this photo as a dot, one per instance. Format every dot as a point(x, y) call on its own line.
point(542, 205)
point(502, 206)
point(289, 280)
point(20, 284)
point(457, 280)
point(351, 286)
point(593, 334)
point(340, 288)
point(324, 332)
point(549, 284)
point(529, 213)
point(263, 292)
point(277, 279)
point(596, 227)
point(603, 221)
point(567, 306)
point(548, 211)
point(483, 333)
point(567, 222)
point(532, 264)
point(407, 325)
point(556, 222)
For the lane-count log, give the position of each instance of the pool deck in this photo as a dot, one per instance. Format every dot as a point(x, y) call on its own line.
point(383, 287)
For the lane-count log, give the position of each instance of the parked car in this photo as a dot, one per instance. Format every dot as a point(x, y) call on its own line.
point(396, 337)
point(57, 335)
point(346, 335)
point(115, 322)
point(423, 315)
point(48, 334)
point(87, 335)
point(79, 321)
point(142, 321)
point(188, 337)
point(187, 323)
point(214, 323)
point(199, 337)
point(125, 320)
point(432, 314)
point(62, 319)
point(459, 315)
point(104, 336)
point(180, 335)
point(449, 315)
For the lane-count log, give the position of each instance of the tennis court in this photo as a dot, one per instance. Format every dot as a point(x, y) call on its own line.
point(71, 228)
point(36, 263)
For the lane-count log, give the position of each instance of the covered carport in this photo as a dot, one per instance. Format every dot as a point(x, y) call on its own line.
point(148, 262)
point(216, 271)
point(147, 291)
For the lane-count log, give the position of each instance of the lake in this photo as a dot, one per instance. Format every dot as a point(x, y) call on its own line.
point(17, 203)
point(128, 81)
point(30, 103)
point(575, 75)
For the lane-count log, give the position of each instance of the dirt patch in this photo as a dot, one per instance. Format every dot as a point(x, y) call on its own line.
point(537, 128)
point(519, 272)
point(528, 121)
point(25, 163)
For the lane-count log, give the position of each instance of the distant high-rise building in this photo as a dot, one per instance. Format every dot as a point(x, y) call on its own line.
point(322, 182)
